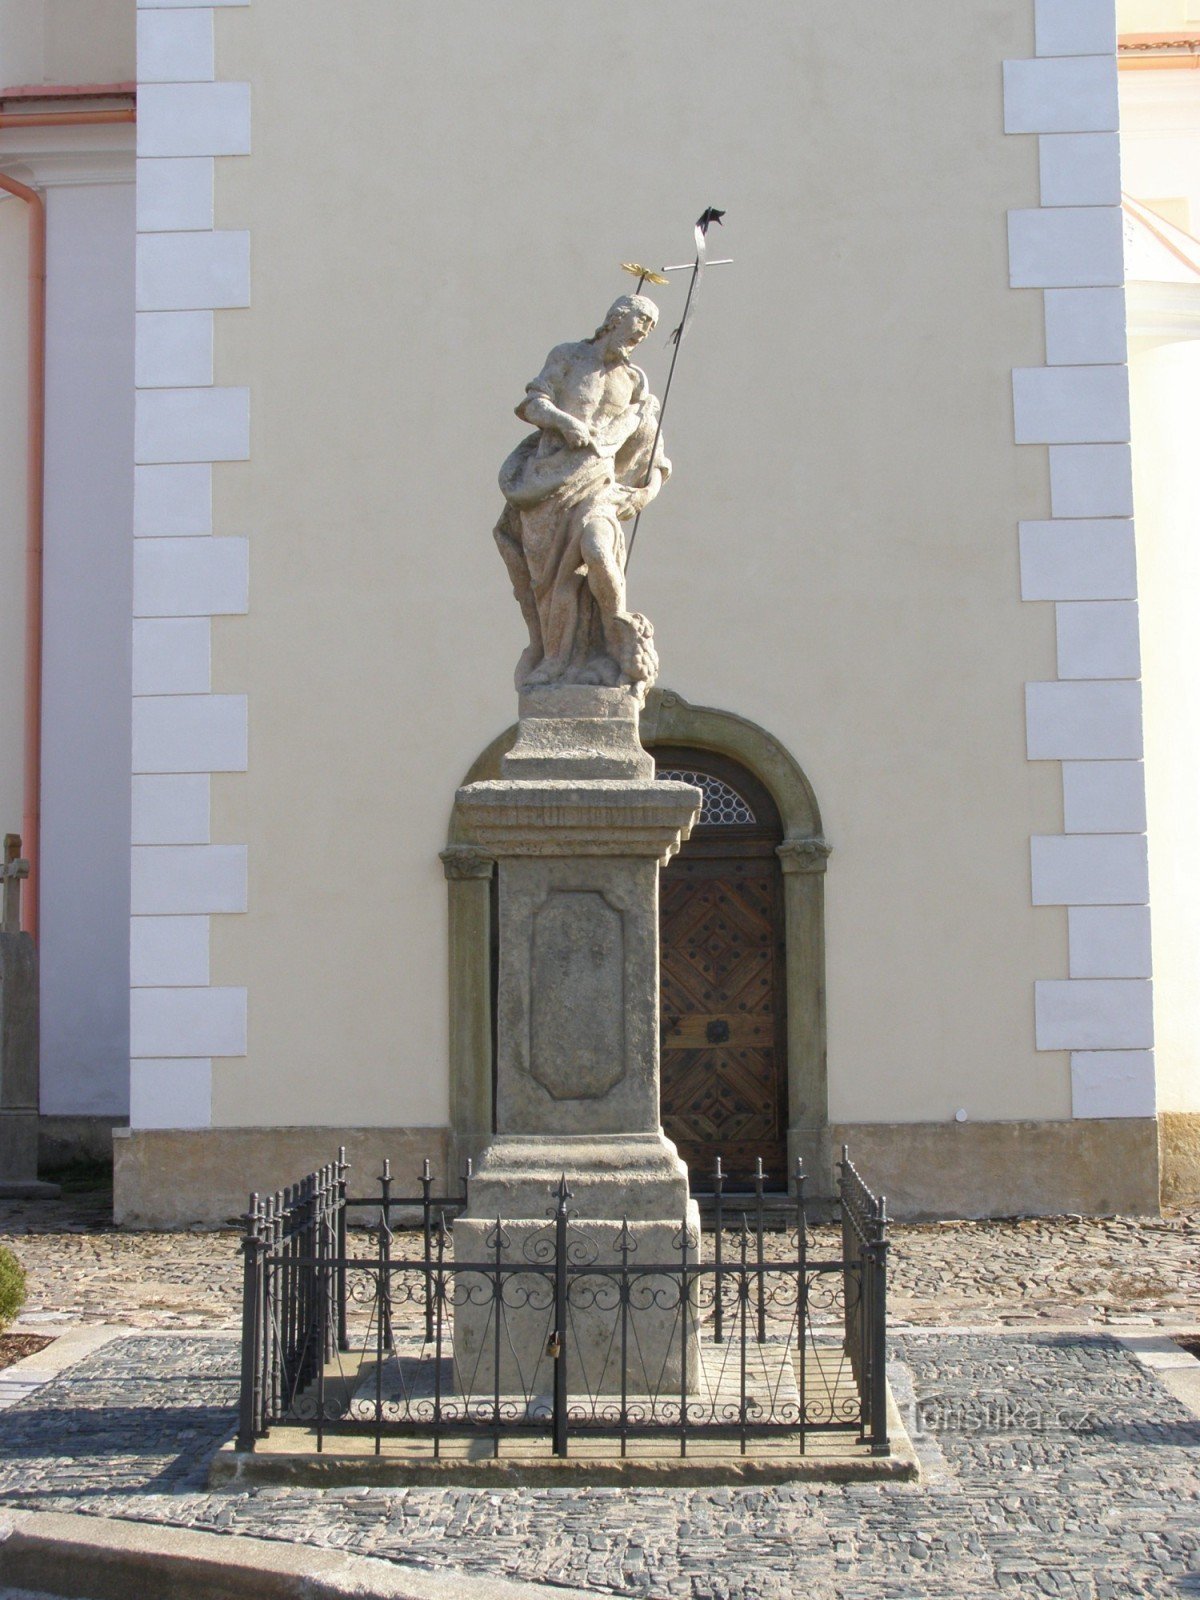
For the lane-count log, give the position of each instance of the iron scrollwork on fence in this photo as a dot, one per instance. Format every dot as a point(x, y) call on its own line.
point(371, 1315)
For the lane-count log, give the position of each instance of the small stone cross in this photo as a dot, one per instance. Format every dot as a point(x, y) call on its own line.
point(12, 870)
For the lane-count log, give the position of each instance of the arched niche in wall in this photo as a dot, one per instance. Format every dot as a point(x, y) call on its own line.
point(668, 721)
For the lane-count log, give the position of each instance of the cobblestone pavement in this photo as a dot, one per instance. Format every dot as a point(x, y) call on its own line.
point(1061, 1270)
point(1054, 1465)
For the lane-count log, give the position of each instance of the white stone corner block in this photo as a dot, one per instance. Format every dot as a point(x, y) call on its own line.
point(187, 1022)
point(187, 880)
point(1113, 1083)
point(1071, 405)
point(190, 577)
point(170, 5)
point(171, 808)
point(1093, 1014)
point(1061, 95)
point(1075, 27)
point(1085, 327)
point(1080, 169)
point(193, 271)
point(1109, 941)
point(1078, 560)
point(1084, 869)
point(189, 733)
point(175, 45)
point(172, 501)
point(1065, 247)
point(1104, 797)
point(174, 194)
point(193, 119)
point(192, 425)
point(173, 349)
point(168, 952)
point(172, 655)
point(166, 1093)
point(1100, 721)
point(1091, 480)
point(1098, 639)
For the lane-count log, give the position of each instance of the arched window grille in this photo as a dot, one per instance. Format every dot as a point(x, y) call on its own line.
point(723, 806)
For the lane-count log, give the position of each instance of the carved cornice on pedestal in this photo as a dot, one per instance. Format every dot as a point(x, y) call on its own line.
point(803, 855)
point(463, 861)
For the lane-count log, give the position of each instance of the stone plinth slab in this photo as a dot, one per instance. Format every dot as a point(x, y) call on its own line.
point(660, 1330)
point(626, 1175)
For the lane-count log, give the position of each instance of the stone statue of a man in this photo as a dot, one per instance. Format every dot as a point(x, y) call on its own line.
point(568, 488)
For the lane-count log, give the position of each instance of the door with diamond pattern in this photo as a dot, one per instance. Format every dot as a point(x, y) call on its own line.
point(723, 1021)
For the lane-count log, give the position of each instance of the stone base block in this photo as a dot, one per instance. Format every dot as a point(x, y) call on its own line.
point(609, 1175)
point(170, 1178)
point(661, 1331)
point(1091, 1166)
point(1179, 1143)
point(18, 1146)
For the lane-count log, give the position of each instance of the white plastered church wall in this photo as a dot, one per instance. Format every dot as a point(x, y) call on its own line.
point(1081, 558)
point(184, 574)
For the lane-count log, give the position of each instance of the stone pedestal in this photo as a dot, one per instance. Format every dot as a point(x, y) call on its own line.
point(19, 1068)
point(580, 827)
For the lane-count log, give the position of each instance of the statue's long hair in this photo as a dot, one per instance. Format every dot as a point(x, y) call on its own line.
point(621, 307)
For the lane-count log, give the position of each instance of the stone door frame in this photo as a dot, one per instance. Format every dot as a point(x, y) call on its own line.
point(667, 719)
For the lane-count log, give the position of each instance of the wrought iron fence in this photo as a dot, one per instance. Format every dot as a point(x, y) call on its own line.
point(565, 1329)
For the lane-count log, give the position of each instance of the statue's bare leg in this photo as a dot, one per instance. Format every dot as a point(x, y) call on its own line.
point(514, 559)
point(629, 637)
point(605, 577)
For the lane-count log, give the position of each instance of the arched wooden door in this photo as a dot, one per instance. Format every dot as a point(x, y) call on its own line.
point(722, 965)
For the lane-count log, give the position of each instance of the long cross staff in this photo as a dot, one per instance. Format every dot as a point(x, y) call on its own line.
point(703, 223)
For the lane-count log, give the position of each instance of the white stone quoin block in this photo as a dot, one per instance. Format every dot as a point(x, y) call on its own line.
point(1084, 869)
point(171, 808)
point(1085, 327)
point(189, 733)
point(1098, 639)
point(187, 880)
point(1093, 1014)
point(1079, 560)
point(192, 425)
point(1083, 721)
point(1091, 480)
point(188, 271)
point(173, 501)
point(172, 655)
point(1104, 797)
point(1080, 169)
point(168, 5)
point(1060, 95)
point(174, 194)
point(1113, 1083)
point(173, 349)
point(190, 577)
point(166, 1093)
point(1109, 941)
point(187, 1022)
point(175, 45)
point(1071, 405)
point(193, 119)
point(1065, 247)
point(168, 952)
point(1075, 27)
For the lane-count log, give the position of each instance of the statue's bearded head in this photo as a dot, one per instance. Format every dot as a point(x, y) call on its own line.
point(627, 322)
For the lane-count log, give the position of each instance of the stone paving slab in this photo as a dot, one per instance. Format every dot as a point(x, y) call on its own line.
point(107, 1560)
point(1055, 1464)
